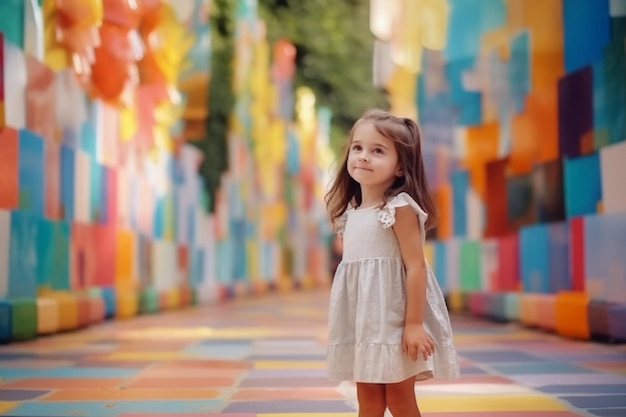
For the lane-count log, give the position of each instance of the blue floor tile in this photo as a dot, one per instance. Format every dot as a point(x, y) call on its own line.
point(597, 401)
point(112, 408)
point(608, 412)
point(541, 368)
point(20, 394)
point(584, 389)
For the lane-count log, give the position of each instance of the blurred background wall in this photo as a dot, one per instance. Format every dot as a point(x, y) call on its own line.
point(156, 154)
point(523, 110)
point(524, 114)
point(104, 211)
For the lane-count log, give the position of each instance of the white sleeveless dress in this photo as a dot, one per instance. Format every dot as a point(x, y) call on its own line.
point(367, 304)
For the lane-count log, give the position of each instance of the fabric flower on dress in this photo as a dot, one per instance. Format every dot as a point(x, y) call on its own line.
point(340, 224)
point(387, 216)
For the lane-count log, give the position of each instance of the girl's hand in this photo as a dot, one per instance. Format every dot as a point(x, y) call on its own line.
point(415, 341)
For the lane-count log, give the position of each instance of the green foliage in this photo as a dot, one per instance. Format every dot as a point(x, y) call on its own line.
point(334, 54)
point(221, 98)
point(334, 58)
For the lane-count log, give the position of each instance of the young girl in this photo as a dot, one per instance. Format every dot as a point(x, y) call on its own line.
point(388, 322)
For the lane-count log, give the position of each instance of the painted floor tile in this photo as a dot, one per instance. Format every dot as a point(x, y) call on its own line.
point(265, 357)
point(20, 394)
point(114, 408)
point(608, 412)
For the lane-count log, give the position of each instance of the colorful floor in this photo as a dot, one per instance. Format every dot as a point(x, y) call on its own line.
point(265, 357)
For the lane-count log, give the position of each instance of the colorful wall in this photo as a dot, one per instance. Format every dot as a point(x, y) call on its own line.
point(523, 110)
point(104, 216)
point(102, 212)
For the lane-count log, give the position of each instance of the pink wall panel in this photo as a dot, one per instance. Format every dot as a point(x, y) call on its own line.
point(508, 255)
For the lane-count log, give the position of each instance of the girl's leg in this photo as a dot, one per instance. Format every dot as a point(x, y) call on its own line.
point(371, 399)
point(401, 398)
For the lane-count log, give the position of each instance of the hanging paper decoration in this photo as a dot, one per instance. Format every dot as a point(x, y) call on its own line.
point(125, 14)
point(382, 64)
point(284, 60)
point(420, 24)
point(167, 43)
point(283, 69)
point(33, 29)
point(76, 30)
point(193, 81)
point(383, 14)
point(409, 26)
point(113, 72)
point(433, 24)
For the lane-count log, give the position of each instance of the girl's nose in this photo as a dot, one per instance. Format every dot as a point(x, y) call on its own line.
point(363, 157)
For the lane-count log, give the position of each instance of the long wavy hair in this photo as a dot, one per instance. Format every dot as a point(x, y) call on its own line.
point(405, 134)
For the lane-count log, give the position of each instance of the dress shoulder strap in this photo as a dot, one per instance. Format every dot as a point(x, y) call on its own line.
point(387, 214)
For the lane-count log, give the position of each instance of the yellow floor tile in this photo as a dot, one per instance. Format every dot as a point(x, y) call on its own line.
point(490, 403)
point(7, 405)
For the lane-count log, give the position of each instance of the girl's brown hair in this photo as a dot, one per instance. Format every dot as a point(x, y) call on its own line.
point(406, 137)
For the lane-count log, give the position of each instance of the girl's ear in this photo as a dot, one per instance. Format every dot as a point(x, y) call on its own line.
point(399, 171)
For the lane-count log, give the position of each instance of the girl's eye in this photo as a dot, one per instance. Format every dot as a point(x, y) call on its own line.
point(356, 147)
point(378, 150)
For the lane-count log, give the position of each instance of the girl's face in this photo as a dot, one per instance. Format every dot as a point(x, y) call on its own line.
point(372, 158)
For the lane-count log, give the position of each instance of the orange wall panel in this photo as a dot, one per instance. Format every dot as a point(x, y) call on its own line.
point(482, 143)
point(125, 254)
point(443, 200)
point(9, 181)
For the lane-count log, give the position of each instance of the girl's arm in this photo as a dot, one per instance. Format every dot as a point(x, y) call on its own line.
point(408, 233)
